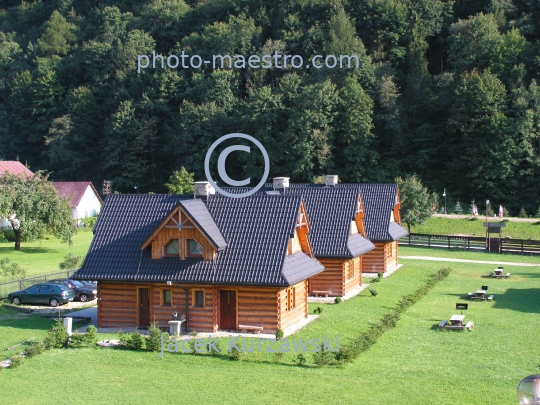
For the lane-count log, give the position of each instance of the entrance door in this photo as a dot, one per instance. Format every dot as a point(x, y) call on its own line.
point(144, 307)
point(227, 309)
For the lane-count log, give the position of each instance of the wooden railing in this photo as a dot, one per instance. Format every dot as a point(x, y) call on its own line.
point(473, 243)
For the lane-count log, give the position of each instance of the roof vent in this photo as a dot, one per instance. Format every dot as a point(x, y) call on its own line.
point(281, 183)
point(331, 180)
point(203, 189)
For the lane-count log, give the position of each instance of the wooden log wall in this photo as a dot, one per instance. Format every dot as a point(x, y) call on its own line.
point(288, 318)
point(257, 306)
point(352, 268)
point(374, 260)
point(117, 304)
point(331, 279)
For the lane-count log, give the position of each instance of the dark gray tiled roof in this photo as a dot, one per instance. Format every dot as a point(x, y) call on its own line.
point(330, 211)
point(379, 201)
point(199, 214)
point(300, 266)
point(257, 230)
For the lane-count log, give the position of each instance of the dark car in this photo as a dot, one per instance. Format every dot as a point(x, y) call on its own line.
point(45, 294)
point(82, 292)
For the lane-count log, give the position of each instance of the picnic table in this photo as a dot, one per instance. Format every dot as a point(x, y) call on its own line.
point(456, 322)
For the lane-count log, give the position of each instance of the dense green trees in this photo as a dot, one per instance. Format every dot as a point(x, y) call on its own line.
point(446, 90)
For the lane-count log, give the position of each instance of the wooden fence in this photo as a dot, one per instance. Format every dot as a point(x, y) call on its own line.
point(473, 243)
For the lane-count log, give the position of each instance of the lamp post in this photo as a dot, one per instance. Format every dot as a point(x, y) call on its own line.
point(444, 195)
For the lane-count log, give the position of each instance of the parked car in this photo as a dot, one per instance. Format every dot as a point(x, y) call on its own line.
point(82, 292)
point(44, 293)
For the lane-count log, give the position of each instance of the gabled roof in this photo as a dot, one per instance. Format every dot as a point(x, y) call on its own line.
point(74, 190)
point(14, 167)
point(198, 214)
point(379, 201)
point(331, 212)
point(257, 230)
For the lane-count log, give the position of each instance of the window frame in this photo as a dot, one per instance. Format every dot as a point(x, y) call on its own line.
point(194, 299)
point(188, 253)
point(165, 254)
point(163, 298)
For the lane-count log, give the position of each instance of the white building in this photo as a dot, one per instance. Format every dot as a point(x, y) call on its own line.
point(83, 197)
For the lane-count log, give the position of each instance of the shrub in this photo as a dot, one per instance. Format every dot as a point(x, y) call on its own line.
point(279, 334)
point(122, 337)
point(154, 338)
point(278, 356)
point(317, 310)
point(322, 358)
point(538, 212)
point(373, 292)
point(337, 300)
point(135, 341)
point(191, 342)
point(91, 335)
point(214, 350)
point(457, 209)
point(57, 336)
point(300, 359)
point(522, 213)
point(16, 361)
point(34, 349)
point(235, 354)
point(380, 275)
point(374, 280)
point(89, 222)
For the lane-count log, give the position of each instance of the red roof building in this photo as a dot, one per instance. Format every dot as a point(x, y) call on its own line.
point(83, 197)
point(14, 167)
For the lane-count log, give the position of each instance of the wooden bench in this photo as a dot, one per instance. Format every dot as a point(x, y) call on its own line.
point(325, 293)
point(443, 323)
point(507, 275)
point(490, 298)
point(469, 325)
point(454, 327)
point(254, 329)
point(470, 295)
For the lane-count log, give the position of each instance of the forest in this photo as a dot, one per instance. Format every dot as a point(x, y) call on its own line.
point(446, 90)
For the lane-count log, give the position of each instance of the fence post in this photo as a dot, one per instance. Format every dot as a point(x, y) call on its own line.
point(429, 241)
point(448, 242)
point(521, 246)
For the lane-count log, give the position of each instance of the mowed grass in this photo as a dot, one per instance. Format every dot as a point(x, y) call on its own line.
point(467, 255)
point(474, 227)
point(44, 255)
point(415, 363)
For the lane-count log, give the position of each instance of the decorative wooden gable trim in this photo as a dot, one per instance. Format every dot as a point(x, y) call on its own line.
point(178, 225)
point(397, 207)
point(359, 216)
point(302, 229)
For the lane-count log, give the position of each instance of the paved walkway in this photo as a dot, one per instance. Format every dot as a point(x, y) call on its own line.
point(446, 259)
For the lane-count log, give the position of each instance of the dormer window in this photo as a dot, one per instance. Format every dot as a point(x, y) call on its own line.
point(172, 249)
point(195, 250)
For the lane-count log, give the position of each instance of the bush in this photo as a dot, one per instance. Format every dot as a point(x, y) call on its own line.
point(89, 222)
point(380, 275)
point(123, 337)
point(8, 234)
point(322, 358)
point(88, 339)
point(214, 350)
point(278, 357)
point(538, 212)
point(34, 349)
point(300, 359)
point(522, 213)
point(91, 335)
point(236, 354)
point(279, 334)
point(16, 361)
point(457, 209)
point(154, 338)
point(374, 280)
point(57, 336)
point(337, 300)
point(373, 292)
point(135, 341)
point(317, 310)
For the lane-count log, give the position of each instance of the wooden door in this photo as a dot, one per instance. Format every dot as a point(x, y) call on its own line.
point(227, 310)
point(144, 307)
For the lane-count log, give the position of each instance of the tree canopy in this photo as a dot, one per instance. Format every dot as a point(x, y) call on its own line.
point(180, 182)
point(446, 90)
point(417, 203)
point(33, 207)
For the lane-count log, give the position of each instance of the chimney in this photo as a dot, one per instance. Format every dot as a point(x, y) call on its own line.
point(281, 183)
point(331, 180)
point(203, 189)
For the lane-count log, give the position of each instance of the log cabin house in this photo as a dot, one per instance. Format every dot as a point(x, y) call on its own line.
point(221, 262)
point(381, 219)
point(338, 234)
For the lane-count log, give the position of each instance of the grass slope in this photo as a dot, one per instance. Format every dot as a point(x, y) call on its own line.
point(415, 363)
point(473, 227)
point(44, 255)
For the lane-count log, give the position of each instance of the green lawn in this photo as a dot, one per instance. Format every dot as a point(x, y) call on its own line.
point(415, 363)
point(44, 255)
point(473, 227)
point(463, 254)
